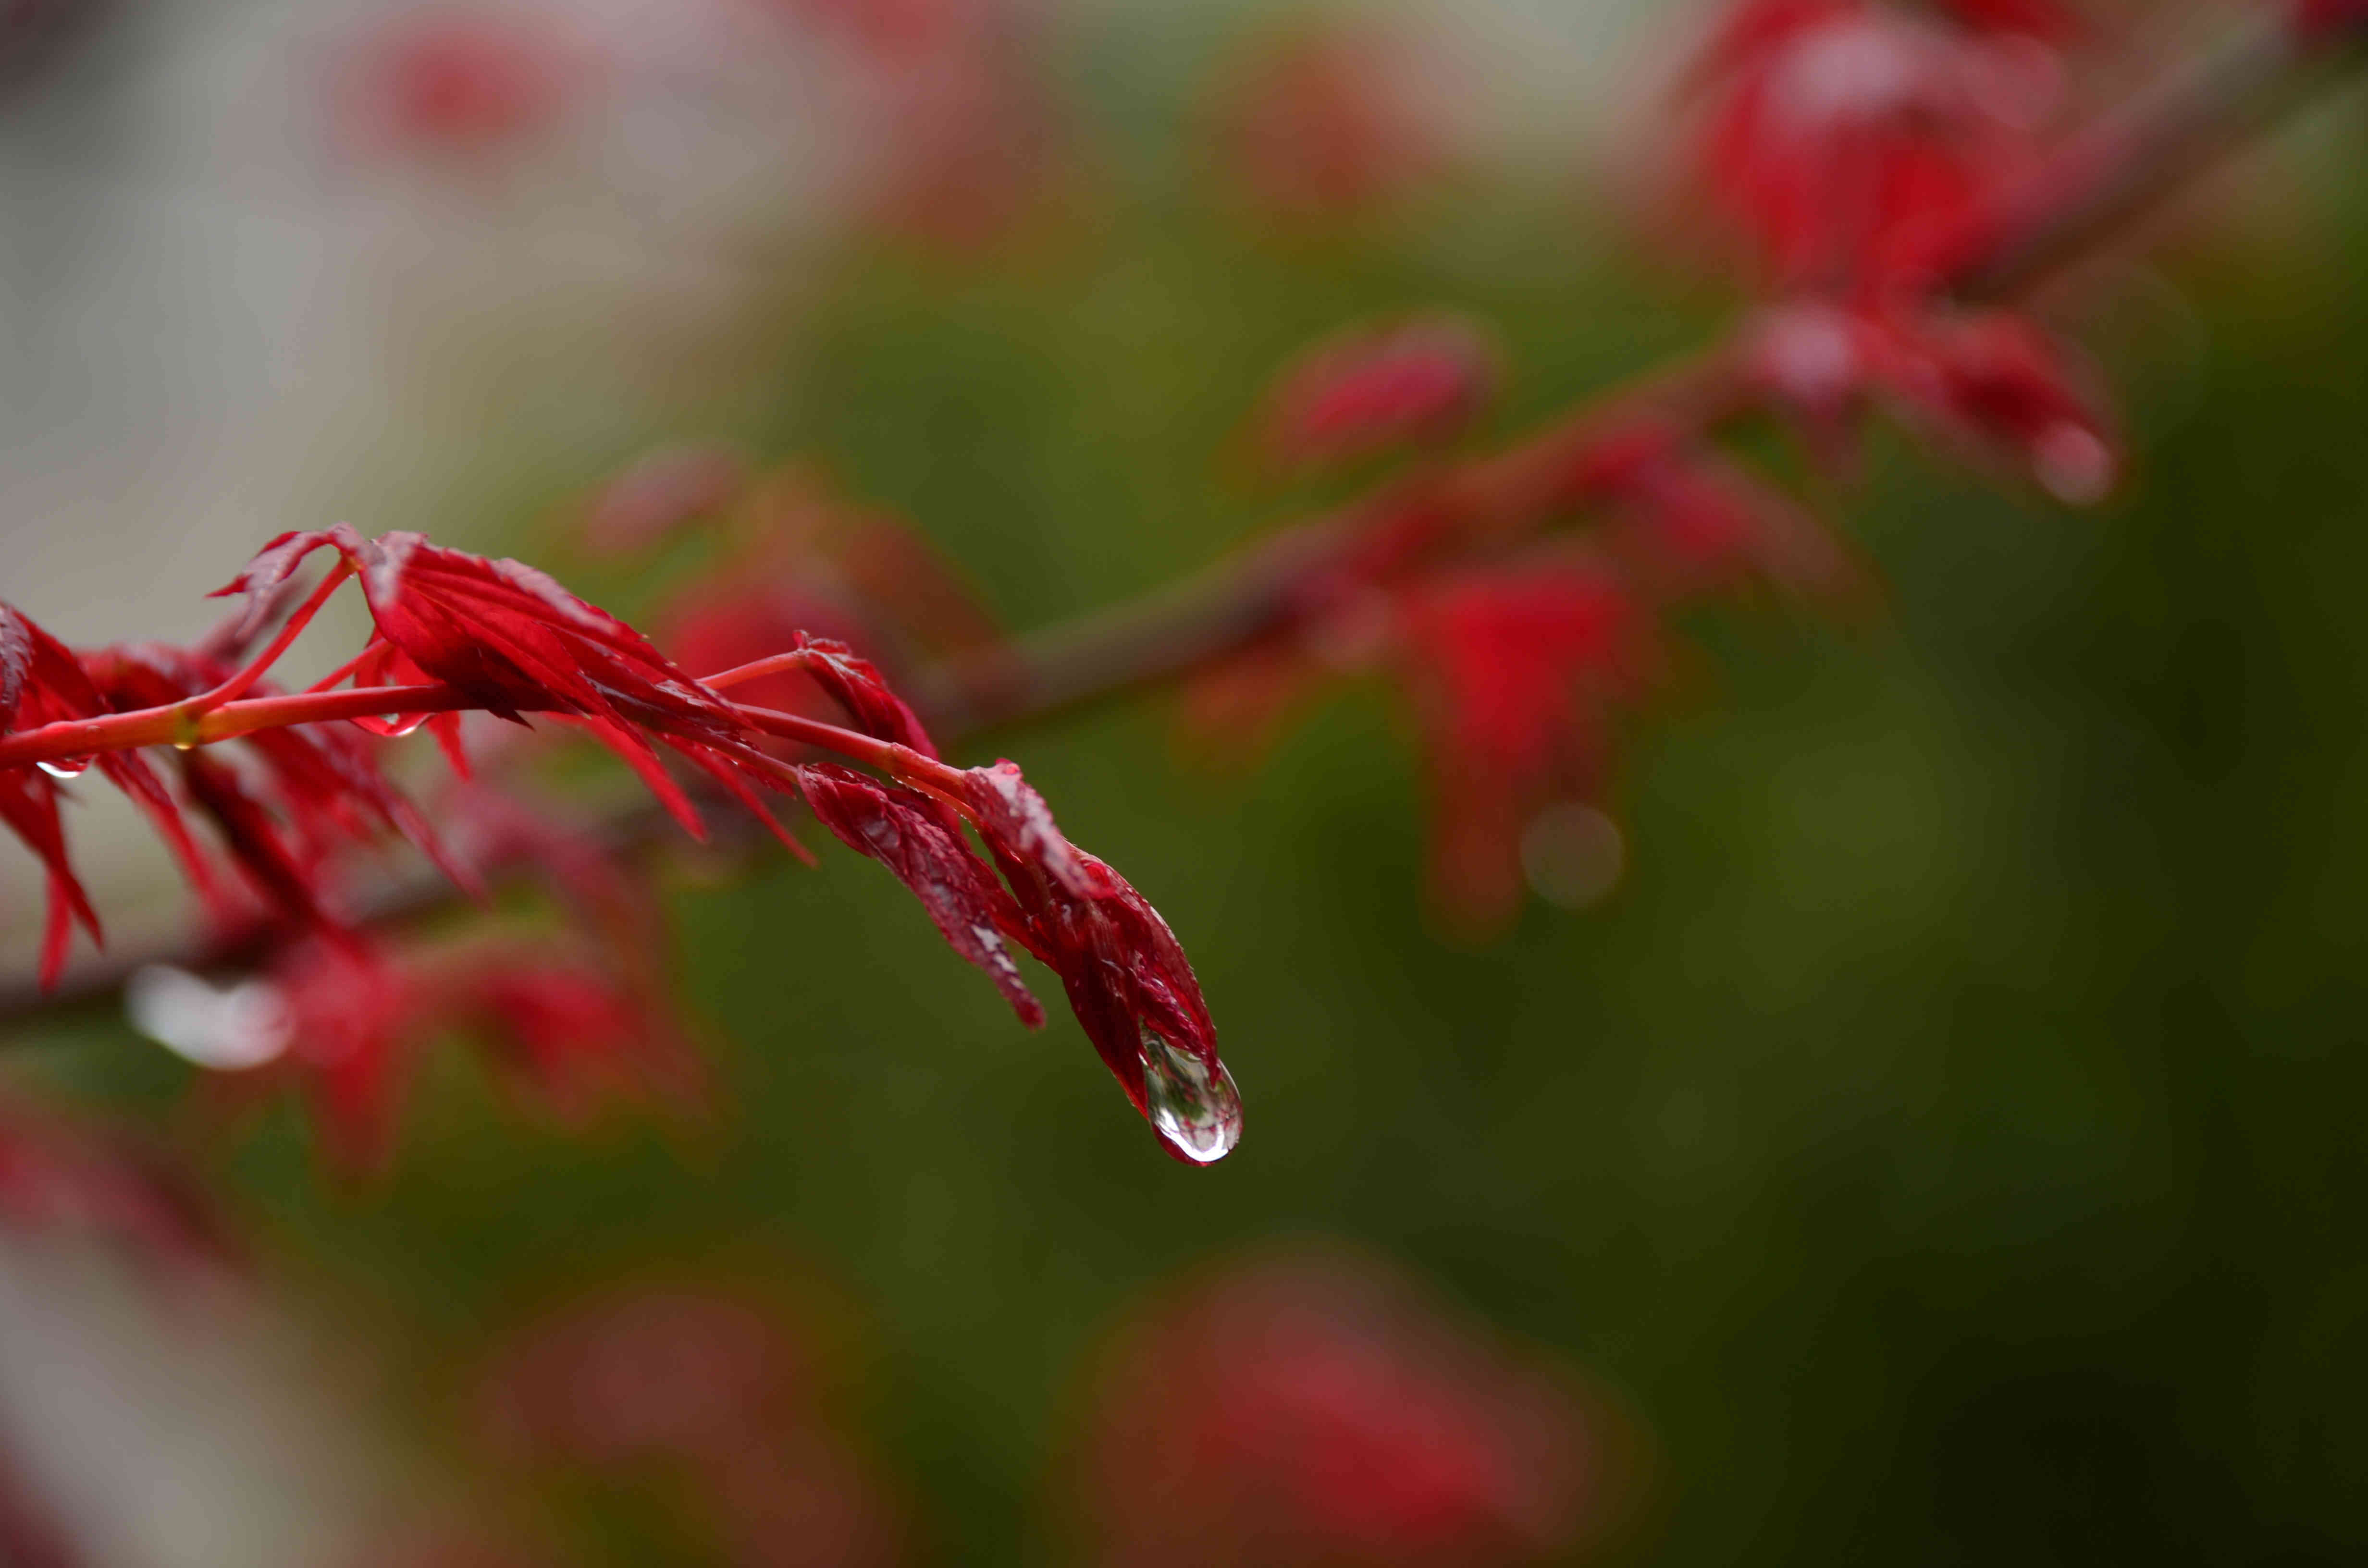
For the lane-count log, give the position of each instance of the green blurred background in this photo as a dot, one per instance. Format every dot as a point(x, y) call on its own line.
point(1944, 1143)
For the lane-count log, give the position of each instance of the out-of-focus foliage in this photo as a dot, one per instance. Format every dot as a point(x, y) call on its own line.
point(1944, 1140)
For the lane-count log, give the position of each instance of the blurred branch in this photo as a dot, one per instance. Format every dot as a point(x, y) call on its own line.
point(1234, 602)
point(2130, 160)
point(2101, 179)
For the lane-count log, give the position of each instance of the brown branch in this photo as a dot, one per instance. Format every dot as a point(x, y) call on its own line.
point(406, 897)
point(2130, 160)
point(2101, 180)
point(1236, 601)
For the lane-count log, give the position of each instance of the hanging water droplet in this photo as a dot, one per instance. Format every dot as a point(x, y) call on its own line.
point(1193, 1105)
point(395, 726)
point(66, 766)
point(230, 1030)
point(184, 746)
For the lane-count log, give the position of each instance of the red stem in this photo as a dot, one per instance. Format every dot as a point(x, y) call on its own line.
point(240, 684)
point(2126, 161)
point(755, 669)
point(901, 763)
point(345, 671)
point(174, 725)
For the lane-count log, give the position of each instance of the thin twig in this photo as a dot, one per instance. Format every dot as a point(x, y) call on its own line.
point(2101, 179)
point(239, 685)
point(1263, 589)
point(2130, 160)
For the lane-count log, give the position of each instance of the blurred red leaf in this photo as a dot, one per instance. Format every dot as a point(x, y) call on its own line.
point(2328, 16)
point(712, 1384)
point(1325, 128)
point(59, 1176)
point(571, 1029)
point(1509, 672)
point(459, 84)
point(1420, 382)
point(1846, 137)
point(658, 496)
point(1995, 384)
point(1698, 519)
point(1312, 1408)
point(2046, 19)
point(574, 1033)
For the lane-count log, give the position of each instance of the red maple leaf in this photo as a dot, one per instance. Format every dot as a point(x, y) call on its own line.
point(307, 792)
point(510, 640)
point(1127, 978)
point(42, 682)
point(920, 841)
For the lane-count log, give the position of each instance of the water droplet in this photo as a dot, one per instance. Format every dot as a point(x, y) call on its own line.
point(65, 766)
point(1193, 1105)
point(184, 746)
point(395, 726)
point(230, 1030)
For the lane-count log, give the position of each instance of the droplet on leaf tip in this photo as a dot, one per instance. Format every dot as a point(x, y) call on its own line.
point(1193, 1105)
point(228, 1030)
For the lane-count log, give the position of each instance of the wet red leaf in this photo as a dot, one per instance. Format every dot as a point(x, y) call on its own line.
point(1127, 978)
point(58, 1175)
point(1314, 1409)
point(921, 843)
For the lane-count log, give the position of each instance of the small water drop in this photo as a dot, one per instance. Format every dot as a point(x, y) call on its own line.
point(184, 746)
point(1194, 1105)
point(395, 726)
point(66, 766)
point(231, 1030)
